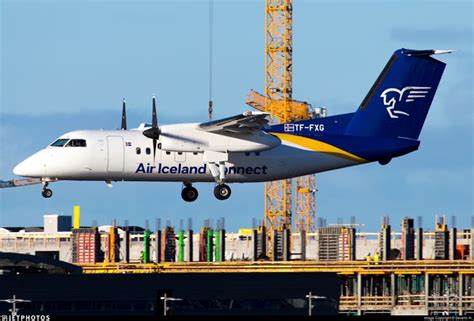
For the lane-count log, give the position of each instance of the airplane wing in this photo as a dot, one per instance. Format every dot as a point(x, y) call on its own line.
point(242, 123)
point(20, 182)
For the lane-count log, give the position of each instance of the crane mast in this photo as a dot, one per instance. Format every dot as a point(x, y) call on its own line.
point(278, 100)
point(278, 87)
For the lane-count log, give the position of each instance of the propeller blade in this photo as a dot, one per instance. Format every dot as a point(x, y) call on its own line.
point(124, 116)
point(154, 118)
point(153, 132)
point(154, 150)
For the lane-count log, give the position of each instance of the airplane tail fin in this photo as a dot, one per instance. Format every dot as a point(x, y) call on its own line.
point(399, 100)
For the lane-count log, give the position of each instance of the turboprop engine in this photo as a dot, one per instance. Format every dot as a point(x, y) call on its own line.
point(190, 138)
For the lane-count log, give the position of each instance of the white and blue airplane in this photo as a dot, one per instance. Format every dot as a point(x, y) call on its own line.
point(246, 148)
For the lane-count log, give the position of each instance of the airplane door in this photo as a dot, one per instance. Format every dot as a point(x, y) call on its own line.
point(115, 154)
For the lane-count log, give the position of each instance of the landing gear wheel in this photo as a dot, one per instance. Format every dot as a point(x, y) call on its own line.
point(189, 194)
point(47, 193)
point(222, 192)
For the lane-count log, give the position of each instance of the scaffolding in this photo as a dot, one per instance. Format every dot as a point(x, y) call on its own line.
point(427, 287)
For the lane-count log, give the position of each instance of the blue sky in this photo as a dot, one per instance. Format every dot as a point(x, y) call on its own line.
point(67, 64)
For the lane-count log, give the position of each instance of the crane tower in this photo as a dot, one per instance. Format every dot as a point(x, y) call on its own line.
point(278, 101)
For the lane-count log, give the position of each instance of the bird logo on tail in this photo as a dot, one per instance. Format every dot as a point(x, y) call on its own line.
point(393, 96)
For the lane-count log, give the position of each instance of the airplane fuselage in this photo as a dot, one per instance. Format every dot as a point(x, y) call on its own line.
point(120, 155)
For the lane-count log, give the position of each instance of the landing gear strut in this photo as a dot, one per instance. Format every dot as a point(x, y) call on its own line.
point(46, 192)
point(216, 163)
point(222, 192)
point(189, 193)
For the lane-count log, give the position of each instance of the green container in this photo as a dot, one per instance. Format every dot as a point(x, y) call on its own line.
point(217, 245)
point(209, 245)
point(146, 246)
point(181, 246)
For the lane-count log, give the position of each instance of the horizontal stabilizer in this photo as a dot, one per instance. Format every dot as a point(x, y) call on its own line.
point(428, 52)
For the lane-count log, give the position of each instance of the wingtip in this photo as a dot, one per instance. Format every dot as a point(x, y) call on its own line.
point(254, 113)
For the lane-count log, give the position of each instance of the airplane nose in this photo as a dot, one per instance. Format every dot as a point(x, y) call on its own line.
point(30, 167)
point(20, 169)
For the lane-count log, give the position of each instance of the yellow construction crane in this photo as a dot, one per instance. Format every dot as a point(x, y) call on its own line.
point(305, 205)
point(278, 101)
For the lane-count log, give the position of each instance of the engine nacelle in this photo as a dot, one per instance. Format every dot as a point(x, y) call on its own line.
point(188, 138)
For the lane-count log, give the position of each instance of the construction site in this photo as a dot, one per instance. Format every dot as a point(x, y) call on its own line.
point(411, 271)
point(290, 262)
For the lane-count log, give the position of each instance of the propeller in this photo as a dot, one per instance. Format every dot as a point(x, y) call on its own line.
point(153, 132)
point(124, 116)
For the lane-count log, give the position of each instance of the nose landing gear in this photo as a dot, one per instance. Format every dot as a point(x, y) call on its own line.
point(222, 192)
point(189, 193)
point(46, 192)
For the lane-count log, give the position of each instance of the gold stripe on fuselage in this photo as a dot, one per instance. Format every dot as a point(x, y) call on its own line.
point(318, 146)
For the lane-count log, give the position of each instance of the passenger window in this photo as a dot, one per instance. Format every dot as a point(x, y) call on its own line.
point(247, 154)
point(180, 153)
point(138, 150)
point(257, 153)
point(148, 151)
point(76, 143)
point(168, 153)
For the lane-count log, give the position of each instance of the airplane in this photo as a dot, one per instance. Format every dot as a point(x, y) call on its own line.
point(246, 147)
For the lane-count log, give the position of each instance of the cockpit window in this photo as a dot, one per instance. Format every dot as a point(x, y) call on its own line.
point(60, 142)
point(76, 143)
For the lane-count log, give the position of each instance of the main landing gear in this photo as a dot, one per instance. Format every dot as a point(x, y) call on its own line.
point(46, 192)
point(222, 191)
point(190, 194)
point(218, 171)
